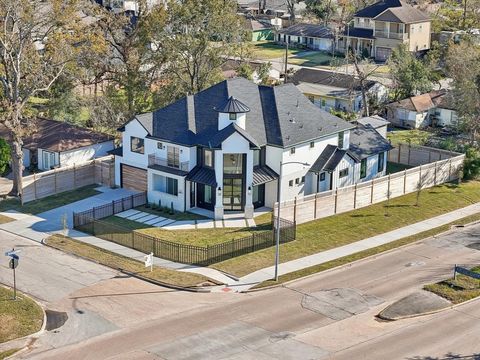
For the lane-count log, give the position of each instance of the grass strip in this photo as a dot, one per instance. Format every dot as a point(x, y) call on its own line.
point(366, 253)
point(116, 261)
point(5, 354)
point(346, 228)
point(458, 290)
point(49, 202)
point(18, 318)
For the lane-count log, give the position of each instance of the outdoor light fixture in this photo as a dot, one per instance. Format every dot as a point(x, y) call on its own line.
point(249, 190)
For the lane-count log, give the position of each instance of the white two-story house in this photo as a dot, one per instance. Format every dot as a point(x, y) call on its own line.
point(221, 149)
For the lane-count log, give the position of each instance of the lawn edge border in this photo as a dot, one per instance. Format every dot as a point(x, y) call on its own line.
point(452, 227)
point(152, 281)
point(32, 336)
point(451, 307)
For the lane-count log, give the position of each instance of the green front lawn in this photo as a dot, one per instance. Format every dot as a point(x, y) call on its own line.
point(415, 137)
point(115, 261)
point(18, 318)
point(342, 229)
point(50, 202)
point(165, 212)
point(457, 290)
point(198, 237)
point(265, 50)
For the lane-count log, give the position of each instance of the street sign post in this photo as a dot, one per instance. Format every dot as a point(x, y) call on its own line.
point(12, 264)
point(149, 261)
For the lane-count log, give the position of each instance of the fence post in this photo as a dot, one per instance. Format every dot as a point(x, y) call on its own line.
point(74, 176)
point(449, 169)
point(131, 198)
point(420, 177)
point(388, 188)
point(253, 242)
point(404, 181)
point(371, 192)
point(336, 197)
point(355, 197)
point(435, 174)
point(409, 151)
point(34, 186)
point(93, 210)
point(55, 180)
point(113, 207)
point(315, 206)
point(294, 209)
point(399, 152)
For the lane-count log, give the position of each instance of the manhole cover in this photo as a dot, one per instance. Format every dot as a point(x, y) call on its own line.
point(55, 319)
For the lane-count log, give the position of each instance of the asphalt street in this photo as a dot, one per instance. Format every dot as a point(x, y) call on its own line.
point(330, 315)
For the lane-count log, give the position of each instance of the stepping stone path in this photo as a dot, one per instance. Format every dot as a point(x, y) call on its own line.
point(169, 224)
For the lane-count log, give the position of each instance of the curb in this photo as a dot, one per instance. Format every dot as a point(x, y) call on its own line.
point(451, 307)
point(152, 281)
point(33, 336)
point(452, 227)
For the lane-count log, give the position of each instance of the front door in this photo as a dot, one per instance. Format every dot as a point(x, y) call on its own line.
point(258, 196)
point(205, 196)
point(233, 194)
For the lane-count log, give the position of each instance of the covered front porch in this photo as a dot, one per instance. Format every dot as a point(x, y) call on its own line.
point(359, 46)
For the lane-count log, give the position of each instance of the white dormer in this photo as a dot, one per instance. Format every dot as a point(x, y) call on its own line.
point(232, 111)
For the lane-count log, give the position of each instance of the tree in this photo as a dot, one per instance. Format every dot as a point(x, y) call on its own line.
point(245, 70)
point(411, 76)
point(4, 156)
point(291, 8)
point(455, 15)
point(463, 66)
point(264, 72)
point(38, 41)
point(322, 9)
point(135, 58)
point(201, 35)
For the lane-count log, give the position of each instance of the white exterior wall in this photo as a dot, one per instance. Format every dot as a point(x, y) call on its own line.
point(224, 120)
point(346, 162)
point(26, 158)
point(40, 165)
point(422, 119)
point(86, 153)
point(446, 117)
point(167, 199)
point(270, 193)
point(134, 128)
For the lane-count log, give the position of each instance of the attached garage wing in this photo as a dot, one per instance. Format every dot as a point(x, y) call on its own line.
point(133, 178)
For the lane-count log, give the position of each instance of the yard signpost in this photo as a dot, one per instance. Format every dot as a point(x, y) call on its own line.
point(149, 261)
point(12, 264)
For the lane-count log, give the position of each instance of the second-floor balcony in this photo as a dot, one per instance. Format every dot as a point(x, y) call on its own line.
point(390, 35)
point(172, 163)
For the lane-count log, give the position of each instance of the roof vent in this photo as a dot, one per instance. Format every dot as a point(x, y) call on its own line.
point(292, 120)
point(300, 126)
point(320, 129)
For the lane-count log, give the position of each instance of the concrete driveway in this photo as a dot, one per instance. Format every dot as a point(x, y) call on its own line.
point(36, 227)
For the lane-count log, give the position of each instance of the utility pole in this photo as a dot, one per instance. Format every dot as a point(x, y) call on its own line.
point(286, 60)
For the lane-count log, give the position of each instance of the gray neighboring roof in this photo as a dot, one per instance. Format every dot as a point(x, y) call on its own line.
point(359, 33)
point(365, 141)
point(279, 116)
point(117, 151)
point(374, 121)
point(233, 106)
point(310, 30)
point(328, 78)
point(405, 14)
point(202, 175)
point(263, 174)
point(255, 25)
point(394, 11)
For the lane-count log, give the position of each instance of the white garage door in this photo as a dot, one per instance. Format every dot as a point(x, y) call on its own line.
point(383, 53)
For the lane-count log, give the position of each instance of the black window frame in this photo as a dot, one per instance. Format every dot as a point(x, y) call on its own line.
point(173, 159)
point(343, 173)
point(381, 161)
point(137, 150)
point(292, 150)
point(204, 157)
point(232, 116)
point(290, 183)
point(323, 176)
point(363, 169)
point(312, 144)
point(174, 181)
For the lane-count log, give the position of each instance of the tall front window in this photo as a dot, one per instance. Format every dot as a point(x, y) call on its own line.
point(363, 169)
point(232, 163)
point(165, 184)
point(208, 158)
point(256, 157)
point(172, 186)
point(340, 140)
point(173, 156)
point(381, 162)
point(137, 145)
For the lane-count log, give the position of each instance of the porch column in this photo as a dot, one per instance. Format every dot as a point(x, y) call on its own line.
point(358, 45)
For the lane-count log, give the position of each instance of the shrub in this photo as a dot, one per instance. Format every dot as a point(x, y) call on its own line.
point(4, 157)
point(471, 167)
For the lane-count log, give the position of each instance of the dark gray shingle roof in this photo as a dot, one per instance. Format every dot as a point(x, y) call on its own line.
point(310, 30)
point(359, 33)
point(279, 116)
point(328, 159)
point(329, 78)
point(393, 11)
point(365, 141)
point(377, 8)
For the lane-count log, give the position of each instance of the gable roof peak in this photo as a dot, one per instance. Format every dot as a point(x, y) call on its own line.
point(232, 106)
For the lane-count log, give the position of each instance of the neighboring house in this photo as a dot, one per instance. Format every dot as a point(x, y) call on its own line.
point(431, 109)
point(273, 9)
point(229, 70)
point(329, 90)
point(259, 30)
point(383, 26)
point(56, 144)
point(376, 122)
point(221, 149)
point(128, 6)
point(312, 36)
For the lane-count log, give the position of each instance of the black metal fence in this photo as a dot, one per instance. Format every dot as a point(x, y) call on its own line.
point(183, 253)
point(103, 211)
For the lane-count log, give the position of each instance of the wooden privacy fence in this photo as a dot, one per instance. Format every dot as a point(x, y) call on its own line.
point(184, 253)
point(363, 194)
point(97, 171)
point(103, 211)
